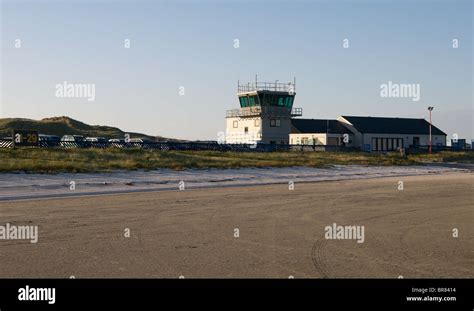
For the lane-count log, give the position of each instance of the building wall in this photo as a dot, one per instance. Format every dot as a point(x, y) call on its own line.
point(361, 139)
point(357, 137)
point(262, 131)
point(259, 129)
point(407, 139)
point(319, 139)
point(237, 135)
point(276, 134)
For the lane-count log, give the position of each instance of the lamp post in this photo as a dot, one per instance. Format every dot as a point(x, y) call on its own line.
point(430, 109)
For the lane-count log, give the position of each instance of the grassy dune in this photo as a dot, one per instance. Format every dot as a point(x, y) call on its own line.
point(65, 125)
point(101, 160)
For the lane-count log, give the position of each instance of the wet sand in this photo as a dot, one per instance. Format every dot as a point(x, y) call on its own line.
point(281, 231)
point(23, 186)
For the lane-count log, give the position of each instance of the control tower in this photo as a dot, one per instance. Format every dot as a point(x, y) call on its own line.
point(265, 113)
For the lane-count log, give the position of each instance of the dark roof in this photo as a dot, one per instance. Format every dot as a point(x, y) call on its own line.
point(393, 125)
point(318, 126)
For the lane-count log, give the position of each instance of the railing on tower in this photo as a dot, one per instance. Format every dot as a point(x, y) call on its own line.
point(258, 111)
point(266, 86)
point(296, 112)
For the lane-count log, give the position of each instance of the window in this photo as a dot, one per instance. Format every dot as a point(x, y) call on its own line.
point(267, 99)
point(275, 122)
point(253, 101)
point(257, 123)
point(243, 101)
point(386, 144)
point(246, 130)
point(275, 100)
point(304, 141)
point(236, 124)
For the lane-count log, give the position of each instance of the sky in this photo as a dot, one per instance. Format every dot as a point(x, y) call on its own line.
point(190, 46)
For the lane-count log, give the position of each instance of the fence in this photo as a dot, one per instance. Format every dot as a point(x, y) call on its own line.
point(212, 146)
point(159, 146)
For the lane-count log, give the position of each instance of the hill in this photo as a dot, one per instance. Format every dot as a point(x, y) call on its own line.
point(67, 126)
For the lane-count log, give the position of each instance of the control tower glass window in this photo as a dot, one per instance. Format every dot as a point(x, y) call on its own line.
point(243, 101)
point(253, 101)
point(248, 101)
point(286, 101)
point(274, 100)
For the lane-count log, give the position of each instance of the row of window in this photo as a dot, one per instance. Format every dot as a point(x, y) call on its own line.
point(273, 123)
point(266, 100)
point(386, 144)
point(235, 124)
point(248, 101)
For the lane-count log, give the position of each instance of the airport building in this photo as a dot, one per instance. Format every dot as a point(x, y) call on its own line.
point(320, 132)
point(266, 115)
point(387, 134)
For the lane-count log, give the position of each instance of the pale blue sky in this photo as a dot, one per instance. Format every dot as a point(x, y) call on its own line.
point(190, 44)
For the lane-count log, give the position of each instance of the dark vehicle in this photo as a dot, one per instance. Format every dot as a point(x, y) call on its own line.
point(49, 138)
point(115, 140)
point(73, 138)
point(140, 140)
point(96, 139)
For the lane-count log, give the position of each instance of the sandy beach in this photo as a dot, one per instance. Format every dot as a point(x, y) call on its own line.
point(281, 232)
point(18, 186)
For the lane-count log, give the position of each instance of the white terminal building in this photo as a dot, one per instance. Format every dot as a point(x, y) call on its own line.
point(266, 115)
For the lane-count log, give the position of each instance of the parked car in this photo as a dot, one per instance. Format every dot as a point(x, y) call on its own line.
point(49, 138)
point(96, 139)
point(140, 140)
point(73, 138)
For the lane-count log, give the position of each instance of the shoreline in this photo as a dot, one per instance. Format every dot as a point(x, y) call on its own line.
point(39, 186)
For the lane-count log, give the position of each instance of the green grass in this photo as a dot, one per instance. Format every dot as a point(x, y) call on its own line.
point(446, 156)
point(102, 160)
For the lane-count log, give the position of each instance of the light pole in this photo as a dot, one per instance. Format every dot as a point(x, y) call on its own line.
point(430, 110)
